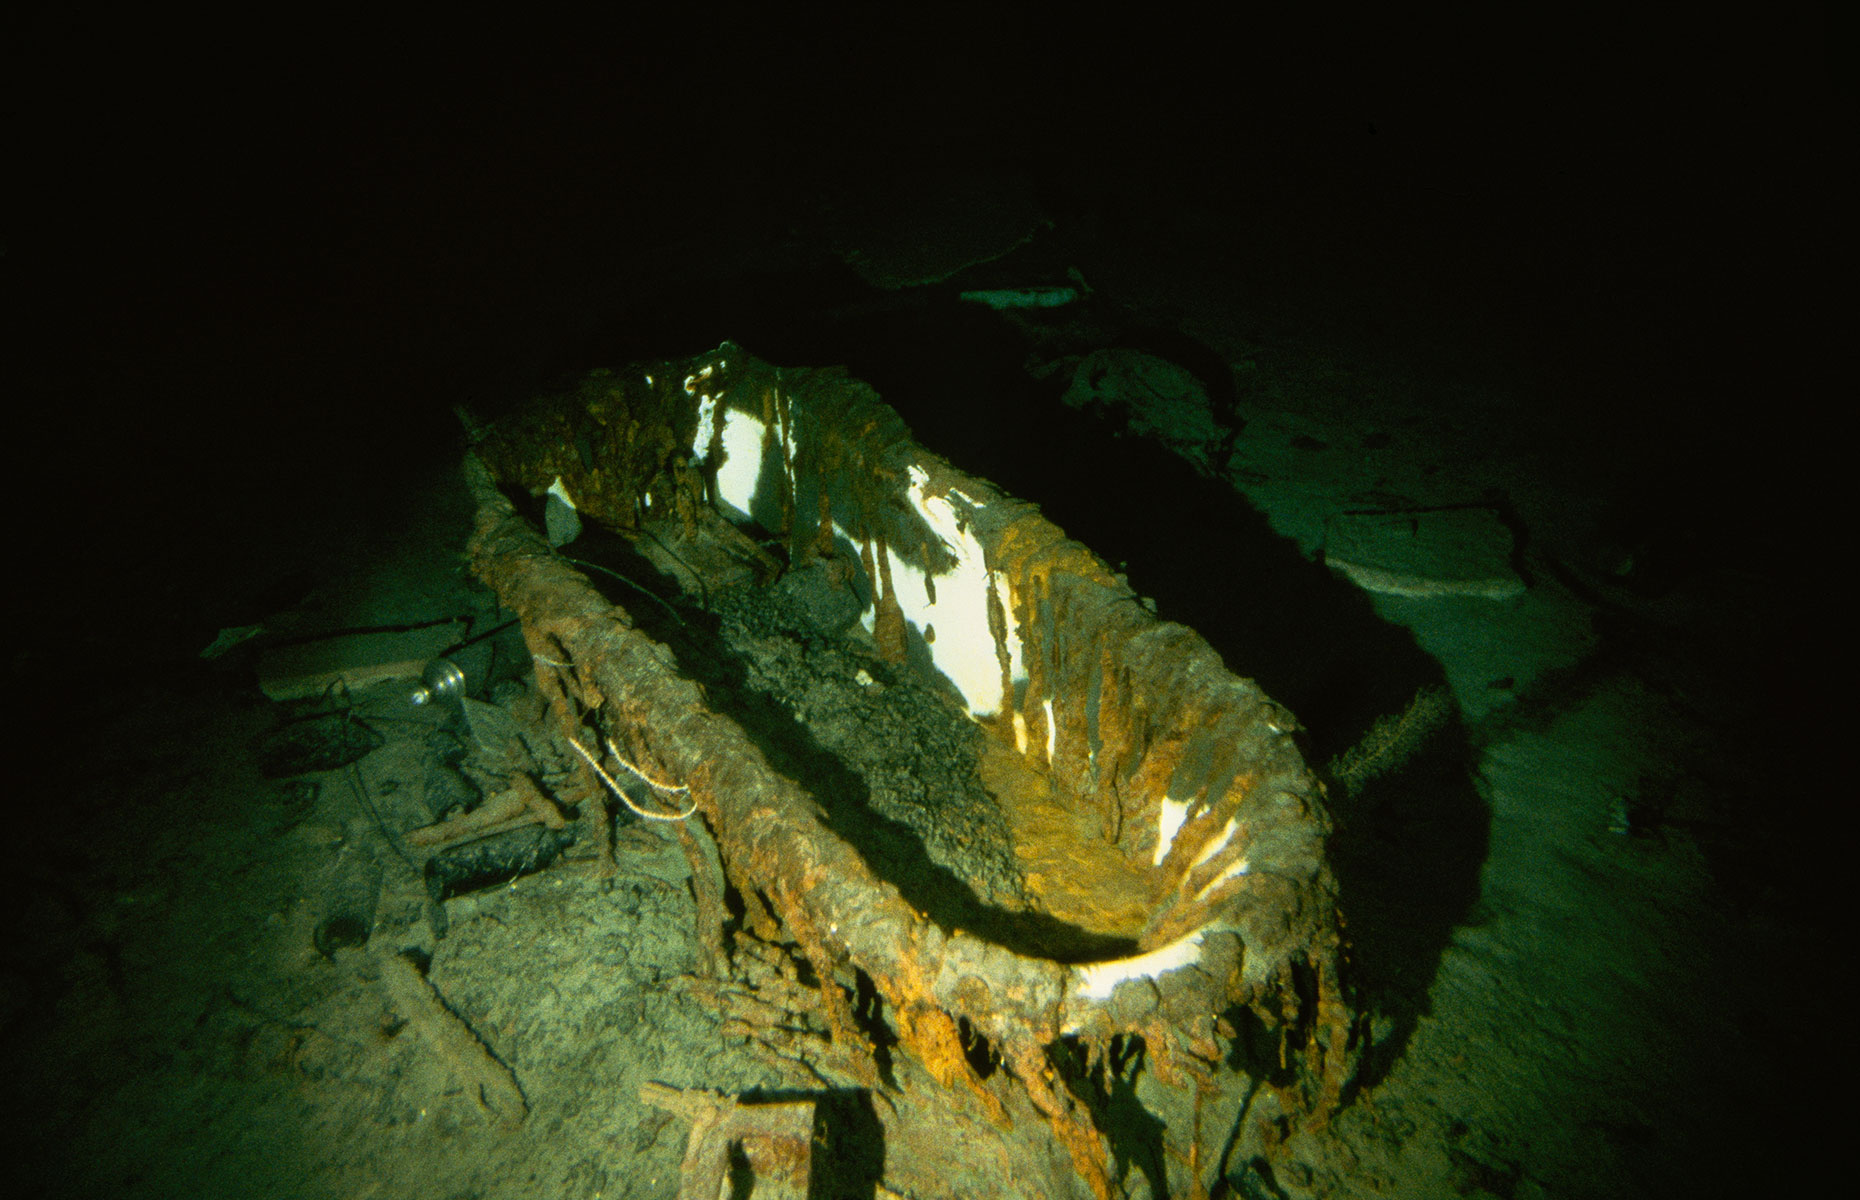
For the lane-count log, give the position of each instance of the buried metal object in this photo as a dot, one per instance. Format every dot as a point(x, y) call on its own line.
point(771, 1144)
point(1167, 838)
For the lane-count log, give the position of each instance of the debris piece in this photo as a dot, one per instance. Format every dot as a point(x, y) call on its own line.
point(230, 639)
point(773, 1142)
point(1154, 398)
point(497, 858)
point(310, 668)
point(488, 1081)
point(1425, 553)
point(1022, 297)
point(343, 931)
point(522, 803)
point(319, 743)
point(560, 519)
point(1393, 739)
point(977, 220)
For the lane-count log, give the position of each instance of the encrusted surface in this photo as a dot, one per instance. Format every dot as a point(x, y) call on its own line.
point(1169, 765)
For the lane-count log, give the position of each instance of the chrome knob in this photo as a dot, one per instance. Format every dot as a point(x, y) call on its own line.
point(442, 680)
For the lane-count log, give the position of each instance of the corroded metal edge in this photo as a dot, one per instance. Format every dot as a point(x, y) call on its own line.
point(1190, 769)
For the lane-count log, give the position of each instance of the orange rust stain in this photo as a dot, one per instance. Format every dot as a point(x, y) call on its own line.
point(1072, 873)
point(1031, 549)
point(888, 622)
point(932, 1038)
point(1080, 1139)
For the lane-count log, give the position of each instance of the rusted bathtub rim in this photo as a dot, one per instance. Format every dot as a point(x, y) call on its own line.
point(1191, 769)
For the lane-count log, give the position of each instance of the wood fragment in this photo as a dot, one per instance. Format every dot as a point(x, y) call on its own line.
point(774, 1141)
point(539, 804)
point(488, 1080)
point(505, 809)
point(705, 1164)
point(520, 804)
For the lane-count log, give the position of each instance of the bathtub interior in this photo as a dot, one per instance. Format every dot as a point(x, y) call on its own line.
point(1145, 792)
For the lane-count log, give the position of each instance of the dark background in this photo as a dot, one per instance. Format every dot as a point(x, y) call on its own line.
point(255, 268)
